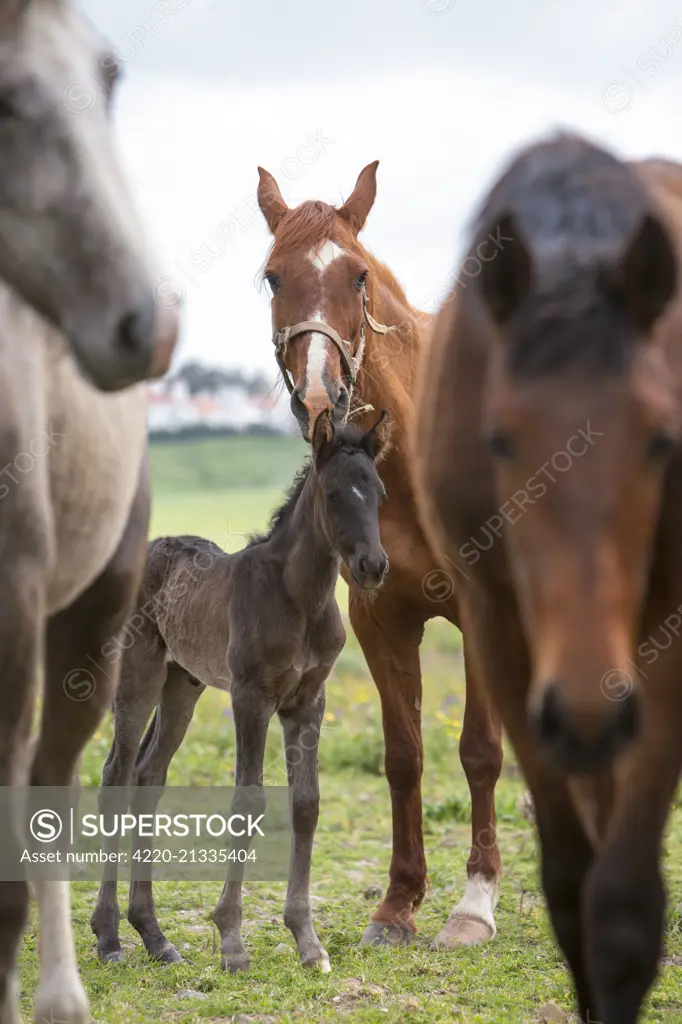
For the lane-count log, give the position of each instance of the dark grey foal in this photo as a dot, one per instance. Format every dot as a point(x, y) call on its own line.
point(263, 623)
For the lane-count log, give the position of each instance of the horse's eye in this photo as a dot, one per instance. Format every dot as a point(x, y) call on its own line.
point(361, 280)
point(274, 282)
point(500, 444)
point(662, 445)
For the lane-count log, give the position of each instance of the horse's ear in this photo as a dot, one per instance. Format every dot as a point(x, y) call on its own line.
point(377, 439)
point(270, 198)
point(323, 432)
point(356, 208)
point(645, 279)
point(506, 277)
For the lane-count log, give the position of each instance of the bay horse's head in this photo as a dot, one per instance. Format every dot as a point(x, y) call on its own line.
point(580, 418)
point(318, 279)
point(70, 242)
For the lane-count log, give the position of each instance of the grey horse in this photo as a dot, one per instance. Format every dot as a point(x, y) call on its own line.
point(76, 309)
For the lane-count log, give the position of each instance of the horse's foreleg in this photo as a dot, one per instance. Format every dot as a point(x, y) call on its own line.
point(623, 902)
point(390, 634)
point(76, 639)
point(480, 749)
point(252, 714)
point(22, 582)
point(301, 729)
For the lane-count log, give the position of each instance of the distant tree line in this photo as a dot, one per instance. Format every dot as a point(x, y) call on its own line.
point(212, 379)
point(200, 431)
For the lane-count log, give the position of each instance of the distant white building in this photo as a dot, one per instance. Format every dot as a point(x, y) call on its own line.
point(173, 409)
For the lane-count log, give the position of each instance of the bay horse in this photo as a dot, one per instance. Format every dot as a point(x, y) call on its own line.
point(347, 340)
point(76, 302)
point(264, 624)
point(549, 401)
point(97, 283)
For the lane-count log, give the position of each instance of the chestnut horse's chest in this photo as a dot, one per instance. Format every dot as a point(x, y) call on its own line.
point(415, 573)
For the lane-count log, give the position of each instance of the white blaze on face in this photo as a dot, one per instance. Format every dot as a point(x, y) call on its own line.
point(317, 357)
point(315, 390)
point(322, 257)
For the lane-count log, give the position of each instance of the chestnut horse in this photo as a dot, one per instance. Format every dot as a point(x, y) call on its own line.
point(550, 401)
point(349, 340)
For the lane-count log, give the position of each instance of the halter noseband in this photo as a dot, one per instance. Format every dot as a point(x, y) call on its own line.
point(351, 361)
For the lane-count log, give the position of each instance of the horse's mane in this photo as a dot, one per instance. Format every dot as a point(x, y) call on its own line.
point(577, 206)
point(390, 361)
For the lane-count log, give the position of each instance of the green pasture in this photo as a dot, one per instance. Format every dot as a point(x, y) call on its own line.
point(224, 489)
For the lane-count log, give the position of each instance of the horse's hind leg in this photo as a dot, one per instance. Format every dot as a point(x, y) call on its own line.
point(301, 729)
point(472, 920)
point(76, 638)
point(170, 727)
point(143, 673)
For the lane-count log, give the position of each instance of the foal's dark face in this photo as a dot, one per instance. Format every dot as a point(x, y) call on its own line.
point(350, 493)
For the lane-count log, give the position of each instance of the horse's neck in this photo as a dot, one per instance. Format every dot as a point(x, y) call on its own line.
point(388, 376)
point(311, 565)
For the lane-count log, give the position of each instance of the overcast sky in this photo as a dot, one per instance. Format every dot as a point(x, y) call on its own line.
point(441, 92)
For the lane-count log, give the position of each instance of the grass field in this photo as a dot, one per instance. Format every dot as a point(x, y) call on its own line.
point(508, 980)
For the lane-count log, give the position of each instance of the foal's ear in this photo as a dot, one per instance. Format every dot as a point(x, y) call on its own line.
point(506, 276)
point(377, 439)
point(270, 199)
point(323, 432)
point(645, 279)
point(361, 200)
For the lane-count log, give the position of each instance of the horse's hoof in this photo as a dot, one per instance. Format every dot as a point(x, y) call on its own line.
point(168, 955)
point(66, 1006)
point(116, 956)
point(320, 962)
point(377, 934)
point(462, 931)
point(236, 962)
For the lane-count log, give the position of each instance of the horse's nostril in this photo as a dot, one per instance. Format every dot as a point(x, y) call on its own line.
point(626, 722)
point(298, 408)
point(134, 333)
point(552, 717)
point(566, 740)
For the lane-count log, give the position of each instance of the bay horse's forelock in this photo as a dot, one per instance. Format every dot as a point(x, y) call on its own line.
point(390, 632)
point(574, 327)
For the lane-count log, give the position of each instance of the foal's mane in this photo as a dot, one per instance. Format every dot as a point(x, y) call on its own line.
point(347, 441)
point(390, 360)
point(577, 206)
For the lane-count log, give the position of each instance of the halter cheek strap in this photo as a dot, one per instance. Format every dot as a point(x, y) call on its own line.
point(350, 361)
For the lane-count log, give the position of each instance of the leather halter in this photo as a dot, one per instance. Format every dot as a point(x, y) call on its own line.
point(350, 361)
